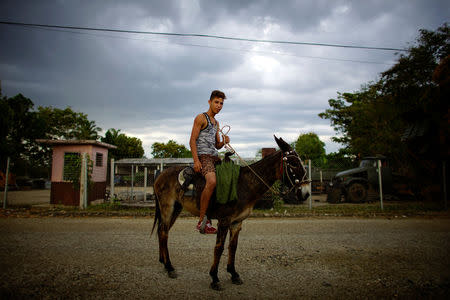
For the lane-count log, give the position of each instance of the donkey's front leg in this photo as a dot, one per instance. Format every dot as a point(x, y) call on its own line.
point(220, 241)
point(235, 228)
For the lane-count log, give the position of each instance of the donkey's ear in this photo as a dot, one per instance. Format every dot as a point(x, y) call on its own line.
point(286, 145)
point(282, 144)
point(277, 140)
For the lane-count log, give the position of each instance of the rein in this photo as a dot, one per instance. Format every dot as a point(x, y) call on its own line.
point(284, 165)
point(228, 147)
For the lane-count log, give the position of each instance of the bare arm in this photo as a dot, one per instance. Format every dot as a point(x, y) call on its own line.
point(199, 122)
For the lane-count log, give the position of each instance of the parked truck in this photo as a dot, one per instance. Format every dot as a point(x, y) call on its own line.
point(355, 185)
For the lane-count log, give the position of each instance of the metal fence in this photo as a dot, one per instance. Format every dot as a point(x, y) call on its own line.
point(131, 181)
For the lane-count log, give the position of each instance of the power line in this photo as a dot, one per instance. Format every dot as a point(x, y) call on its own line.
point(218, 48)
point(202, 36)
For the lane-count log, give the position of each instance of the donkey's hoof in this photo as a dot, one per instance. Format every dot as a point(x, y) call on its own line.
point(236, 280)
point(172, 274)
point(216, 286)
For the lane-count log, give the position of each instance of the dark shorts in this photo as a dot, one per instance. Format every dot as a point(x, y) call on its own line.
point(209, 163)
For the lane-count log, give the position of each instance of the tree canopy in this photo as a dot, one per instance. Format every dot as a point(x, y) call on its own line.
point(127, 147)
point(373, 120)
point(170, 150)
point(67, 124)
point(309, 146)
point(21, 125)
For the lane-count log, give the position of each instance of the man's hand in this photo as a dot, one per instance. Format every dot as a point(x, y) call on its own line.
point(197, 166)
point(226, 139)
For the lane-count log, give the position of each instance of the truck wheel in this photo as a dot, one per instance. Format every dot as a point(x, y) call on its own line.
point(334, 195)
point(356, 192)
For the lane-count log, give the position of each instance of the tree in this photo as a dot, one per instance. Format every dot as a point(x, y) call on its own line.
point(404, 115)
point(340, 160)
point(366, 122)
point(20, 126)
point(67, 124)
point(309, 146)
point(372, 121)
point(171, 149)
point(258, 154)
point(127, 147)
point(87, 130)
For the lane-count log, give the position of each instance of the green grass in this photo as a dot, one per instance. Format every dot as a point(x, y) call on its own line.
point(365, 209)
point(391, 209)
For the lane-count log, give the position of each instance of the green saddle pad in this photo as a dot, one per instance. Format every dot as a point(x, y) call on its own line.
point(227, 174)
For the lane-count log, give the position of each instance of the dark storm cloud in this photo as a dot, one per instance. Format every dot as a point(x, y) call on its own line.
point(153, 86)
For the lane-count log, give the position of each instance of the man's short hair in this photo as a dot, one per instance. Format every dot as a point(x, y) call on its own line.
point(217, 94)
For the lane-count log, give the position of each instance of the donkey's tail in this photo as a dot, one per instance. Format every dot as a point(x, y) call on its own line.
point(157, 214)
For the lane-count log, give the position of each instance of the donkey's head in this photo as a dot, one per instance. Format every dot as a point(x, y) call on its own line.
point(294, 173)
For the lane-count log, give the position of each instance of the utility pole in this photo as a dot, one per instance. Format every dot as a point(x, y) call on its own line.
point(5, 197)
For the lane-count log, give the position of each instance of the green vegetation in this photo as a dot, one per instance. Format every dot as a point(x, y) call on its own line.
point(127, 147)
point(170, 150)
point(21, 124)
point(357, 210)
point(411, 94)
point(309, 146)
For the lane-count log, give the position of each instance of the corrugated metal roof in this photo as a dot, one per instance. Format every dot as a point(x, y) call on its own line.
point(153, 161)
point(168, 161)
point(76, 142)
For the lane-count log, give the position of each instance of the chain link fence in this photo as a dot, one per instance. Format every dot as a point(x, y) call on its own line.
point(131, 180)
point(132, 184)
point(322, 176)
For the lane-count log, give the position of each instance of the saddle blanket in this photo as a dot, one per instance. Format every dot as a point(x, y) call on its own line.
point(227, 175)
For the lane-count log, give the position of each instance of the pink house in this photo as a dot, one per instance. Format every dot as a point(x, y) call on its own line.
point(62, 190)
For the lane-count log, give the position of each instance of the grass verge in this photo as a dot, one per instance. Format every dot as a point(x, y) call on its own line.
point(391, 209)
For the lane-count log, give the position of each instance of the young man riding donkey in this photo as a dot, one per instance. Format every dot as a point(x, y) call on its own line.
point(205, 141)
point(252, 182)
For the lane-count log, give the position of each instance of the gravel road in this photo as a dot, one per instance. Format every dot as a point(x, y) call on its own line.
point(110, 258)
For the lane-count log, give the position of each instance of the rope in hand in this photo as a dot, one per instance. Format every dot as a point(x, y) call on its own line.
point(231, 149)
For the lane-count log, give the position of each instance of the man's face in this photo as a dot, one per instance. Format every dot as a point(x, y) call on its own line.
point(216, 105)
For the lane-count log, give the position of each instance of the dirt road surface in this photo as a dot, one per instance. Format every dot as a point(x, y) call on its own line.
point(115, 258)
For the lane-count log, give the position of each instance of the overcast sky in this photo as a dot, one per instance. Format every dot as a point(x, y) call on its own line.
point(152, 86)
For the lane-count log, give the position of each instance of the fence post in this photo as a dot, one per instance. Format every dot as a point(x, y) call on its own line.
point(111, 188)
point(380, 183)
point(310, 184)
point(132, 183)
point(444, 178)
point(145, 183)
point(321, 181)
point(83, 182)
point(5, 197)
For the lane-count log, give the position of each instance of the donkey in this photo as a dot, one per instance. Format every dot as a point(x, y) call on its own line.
point(254, 180)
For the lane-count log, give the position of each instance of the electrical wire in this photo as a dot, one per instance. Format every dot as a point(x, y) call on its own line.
point(202, 36)
point(207, 46)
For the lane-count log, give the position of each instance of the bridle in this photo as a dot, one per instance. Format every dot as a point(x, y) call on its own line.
point(288, 170)
point(286, 167)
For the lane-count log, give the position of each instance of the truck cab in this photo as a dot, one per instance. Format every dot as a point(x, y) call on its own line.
point(355, 184)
